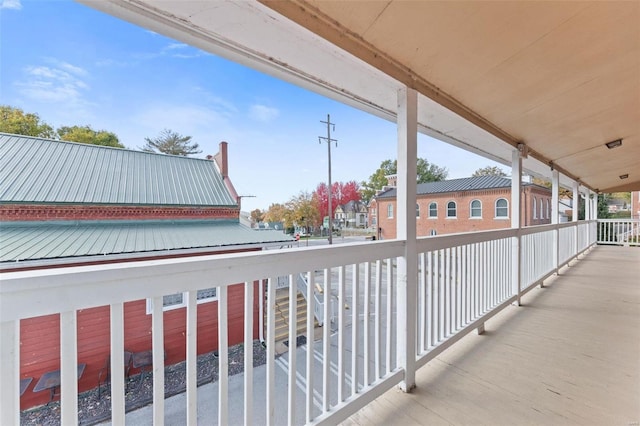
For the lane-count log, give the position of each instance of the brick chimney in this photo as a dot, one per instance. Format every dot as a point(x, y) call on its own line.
point(392, 180)
point(221, 159)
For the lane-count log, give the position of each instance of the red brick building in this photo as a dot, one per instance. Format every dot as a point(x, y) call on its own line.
point(66, 204)
point(462, 205)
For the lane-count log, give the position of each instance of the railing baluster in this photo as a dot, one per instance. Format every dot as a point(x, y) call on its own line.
point(447, 292)
point(311, 308)
point(378, 319)
point(223, 356)
point(441, 282)
point(293, 325)
point(431, 321)
point(355, 335)
point(341, 330)
point(248, 353)
point(366, 329)
point(192, 358)
point(271, 352)
point(10, 372)
point(117, 363)
point(464, 316)
point(422, 302)
point(68, 368)
point(389, 313)
point(326, 342)
point(157, 346)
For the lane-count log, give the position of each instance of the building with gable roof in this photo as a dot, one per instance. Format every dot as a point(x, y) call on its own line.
point(462, 205)
point(66, 204)
point(352, 214)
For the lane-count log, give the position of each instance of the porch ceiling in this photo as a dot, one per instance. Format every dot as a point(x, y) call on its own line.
point(562, 77)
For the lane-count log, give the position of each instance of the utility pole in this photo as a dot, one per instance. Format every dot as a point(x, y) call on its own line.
point(328, 140)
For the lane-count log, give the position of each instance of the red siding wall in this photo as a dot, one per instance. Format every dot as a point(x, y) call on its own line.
point(40, 337)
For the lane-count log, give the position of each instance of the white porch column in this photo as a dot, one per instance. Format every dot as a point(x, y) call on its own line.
point(594, 216)
point(576, 198)
point(516, 214)
point(407, 289)
point(574, 213)
point(555, 187)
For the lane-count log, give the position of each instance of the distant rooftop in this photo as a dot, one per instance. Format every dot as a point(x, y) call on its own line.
point(29, 241)
point(456, 185)
point(36, 170)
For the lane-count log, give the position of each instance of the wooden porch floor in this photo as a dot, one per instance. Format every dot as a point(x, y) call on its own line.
point(569, 355)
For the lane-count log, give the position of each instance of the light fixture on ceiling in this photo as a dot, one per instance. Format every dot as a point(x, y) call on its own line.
point(624, 176)
point(614, 144)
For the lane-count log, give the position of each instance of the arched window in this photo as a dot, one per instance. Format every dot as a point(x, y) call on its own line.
point(390, 211)
point(502, 208)
point(541, 208)
point(548, 209)
point(535, 208)
point(476, 209)
point(451, 209)
point(433, 233)
point(433, 209)
point(417, 210)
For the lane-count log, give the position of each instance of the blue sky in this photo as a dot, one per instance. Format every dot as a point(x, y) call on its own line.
point(73, 65)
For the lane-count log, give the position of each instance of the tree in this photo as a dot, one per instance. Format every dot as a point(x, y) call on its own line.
point(489, 171)
point(427, 172)
point(85, 134)
point(341, 193)
point(257, 216)
point(276, 213)
point(303, 211)
point(14, 120)
point(170, 142)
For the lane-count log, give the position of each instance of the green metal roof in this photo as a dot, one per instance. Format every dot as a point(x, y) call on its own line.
point(25, 241)
point(35, 170)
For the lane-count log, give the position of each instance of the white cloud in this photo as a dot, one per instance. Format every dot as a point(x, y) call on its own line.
point(263, 113)
point(10, 4)
point(174, 46)
point(59, 83)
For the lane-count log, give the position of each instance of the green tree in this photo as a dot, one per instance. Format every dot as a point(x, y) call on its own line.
point(173, 143)
point(85, 134)
point(16, 121)
point(489, 171)
point(427, 172)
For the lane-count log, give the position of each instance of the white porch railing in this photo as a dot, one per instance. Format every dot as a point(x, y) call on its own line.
point(463, 280)
point(619, 231)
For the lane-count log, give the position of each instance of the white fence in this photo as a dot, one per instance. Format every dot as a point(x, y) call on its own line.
point(462, 281)
point(619, 231)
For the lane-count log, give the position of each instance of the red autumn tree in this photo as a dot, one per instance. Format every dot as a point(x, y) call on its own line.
point(341, 193)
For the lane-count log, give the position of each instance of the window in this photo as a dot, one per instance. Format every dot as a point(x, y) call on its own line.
point(373, 212)
point(390, 211)
point(374, 221)
point(476, 209)
point(417, 210)
point(502, 208)
point(433, 233)
point(548, 209)
point(179, 300)
point(451, 209)
point(535, 209)
point(433, 210)
point(541, 208)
